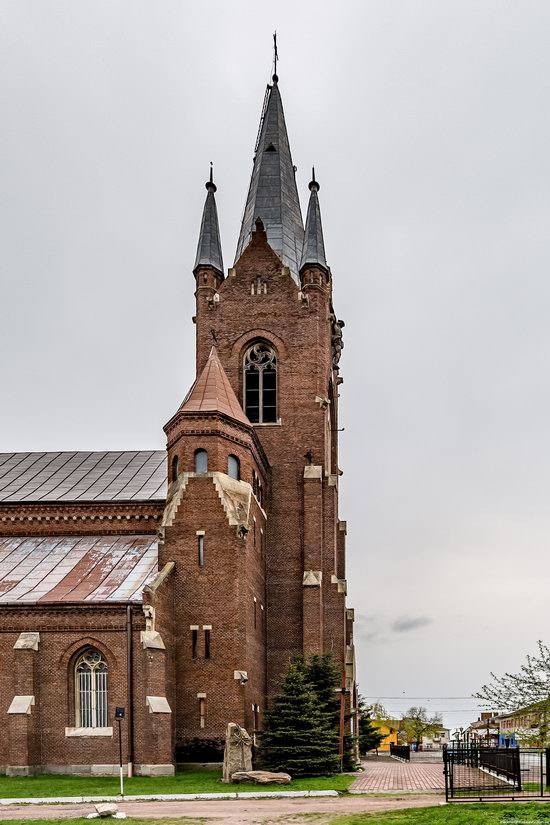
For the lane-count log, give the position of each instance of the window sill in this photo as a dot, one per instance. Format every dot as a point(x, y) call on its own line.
point(278, 423)
point(88, 731)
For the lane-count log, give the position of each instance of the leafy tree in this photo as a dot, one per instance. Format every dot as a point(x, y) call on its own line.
point(299, 734)
point(513, 691)
point(416, 723)
point(369, 735)
point(528, 690)
point(378, 711)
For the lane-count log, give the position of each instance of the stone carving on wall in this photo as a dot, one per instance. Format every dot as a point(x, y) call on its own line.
point(337, 339)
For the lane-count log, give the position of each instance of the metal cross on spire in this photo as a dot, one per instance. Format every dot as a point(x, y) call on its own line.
point(275, 56)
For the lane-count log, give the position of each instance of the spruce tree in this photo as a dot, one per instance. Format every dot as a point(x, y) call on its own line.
point(299, 735)
point(326, 680)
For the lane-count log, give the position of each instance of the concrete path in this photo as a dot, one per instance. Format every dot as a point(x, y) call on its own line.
point(400, 776)
point(247, 812)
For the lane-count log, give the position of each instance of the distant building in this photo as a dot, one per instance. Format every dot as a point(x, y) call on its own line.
point(390, 729)
point(502, 729)
point(437, 740)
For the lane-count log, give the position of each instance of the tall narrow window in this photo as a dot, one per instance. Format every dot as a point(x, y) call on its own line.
point(256, 712)
point(91, 689)
point(201, 462)
point(202, 710)
point(175, 468)
point(260, 384)
point(233, 467)
point(255, 612)
point(194, 641)
point(200, 549)
point(207, 633)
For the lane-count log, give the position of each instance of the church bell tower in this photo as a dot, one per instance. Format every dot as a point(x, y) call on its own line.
point(268, 345)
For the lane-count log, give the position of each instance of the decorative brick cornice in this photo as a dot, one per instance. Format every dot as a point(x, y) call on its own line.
point(215, 423)
point(89, 517)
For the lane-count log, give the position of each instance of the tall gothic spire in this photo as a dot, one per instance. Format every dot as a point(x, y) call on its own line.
point(209, 249)
point(314, 246)
point(273, 196)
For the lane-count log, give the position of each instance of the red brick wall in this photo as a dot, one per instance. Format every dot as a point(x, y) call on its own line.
point(299, 327)
point(64, 631)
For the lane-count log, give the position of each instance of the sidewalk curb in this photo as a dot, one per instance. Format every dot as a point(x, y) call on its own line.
point(162, 797)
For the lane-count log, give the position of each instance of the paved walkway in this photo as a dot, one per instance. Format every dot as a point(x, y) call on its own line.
point(236, 812)
point(400, 776)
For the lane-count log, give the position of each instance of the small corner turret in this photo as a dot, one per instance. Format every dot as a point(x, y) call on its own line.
point(208, 269)
point(313, 264)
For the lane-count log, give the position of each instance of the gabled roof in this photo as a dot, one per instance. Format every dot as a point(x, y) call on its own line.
point(272, 195)
point(76, 568)
point(212, 392)
point(314, 244)
point(209, 249)
point(80, 476)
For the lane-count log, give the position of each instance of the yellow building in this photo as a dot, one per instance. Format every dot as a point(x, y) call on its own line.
point(390, 729)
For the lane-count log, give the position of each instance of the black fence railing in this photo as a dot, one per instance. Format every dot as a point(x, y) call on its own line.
point(478, 772)
point(504, 763)
point(402, 752)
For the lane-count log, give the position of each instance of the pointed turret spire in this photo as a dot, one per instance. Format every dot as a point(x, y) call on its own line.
point(212, 392)
point(273, 196)
point(314, 246)
point(209, 249)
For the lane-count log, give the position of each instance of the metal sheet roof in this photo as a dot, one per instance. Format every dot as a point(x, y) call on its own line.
point(209, 248)
point(76, 568)
point(212, 392)
point(273, 195)
point(109, 476)
point(314, 244)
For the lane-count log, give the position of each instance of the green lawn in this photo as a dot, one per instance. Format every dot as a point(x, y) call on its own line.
point(490, 813)
point(197, 781)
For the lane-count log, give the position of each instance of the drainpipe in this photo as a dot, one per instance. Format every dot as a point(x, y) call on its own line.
point(130, 690)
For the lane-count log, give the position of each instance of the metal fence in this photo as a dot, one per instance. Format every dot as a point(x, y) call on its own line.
point(402, 752)
point(474, 772)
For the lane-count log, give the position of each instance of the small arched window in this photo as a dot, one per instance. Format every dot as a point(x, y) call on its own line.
point(175, 468)
point(260, 384)
point(201, 462)
point(233, 467)
point(91, 689)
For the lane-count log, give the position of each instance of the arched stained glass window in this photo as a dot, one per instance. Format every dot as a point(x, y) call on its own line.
point(91, 689)
point(260, 384)
point(201, 462)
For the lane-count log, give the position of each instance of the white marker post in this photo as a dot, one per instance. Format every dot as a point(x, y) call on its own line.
point(119, 716)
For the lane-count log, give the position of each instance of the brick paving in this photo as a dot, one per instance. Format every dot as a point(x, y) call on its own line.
point(400, 776)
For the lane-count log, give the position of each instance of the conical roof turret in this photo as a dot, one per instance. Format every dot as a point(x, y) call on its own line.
point(212, 392)
point(273, 195)
point(313, 251)
point(209, 249)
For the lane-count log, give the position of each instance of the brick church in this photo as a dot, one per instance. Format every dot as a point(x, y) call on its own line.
point(177, 583)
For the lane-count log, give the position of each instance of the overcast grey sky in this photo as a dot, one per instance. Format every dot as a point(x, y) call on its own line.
point(429, 126)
